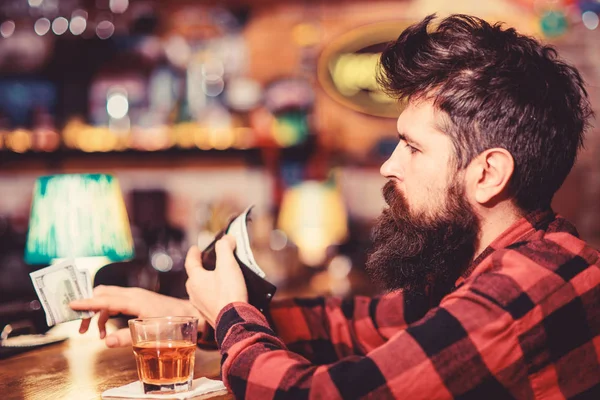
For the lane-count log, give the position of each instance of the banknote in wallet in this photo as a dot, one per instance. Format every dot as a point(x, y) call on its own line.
point(260, 290)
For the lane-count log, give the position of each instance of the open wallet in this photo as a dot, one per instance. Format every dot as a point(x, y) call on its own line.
point(260, 290)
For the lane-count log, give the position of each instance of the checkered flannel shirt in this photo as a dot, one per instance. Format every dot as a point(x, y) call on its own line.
point(523, 323)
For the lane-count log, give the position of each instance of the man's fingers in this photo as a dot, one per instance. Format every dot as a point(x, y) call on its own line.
point(93, 304)
point(120, 338)
point(114, 304)
point(103, 289)
point(224, 249)
point(193, 260)
point(85, 324)
point(102, 318)
point(230, 240)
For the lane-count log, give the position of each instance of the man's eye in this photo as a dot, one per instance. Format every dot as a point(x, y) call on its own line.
point(412, 149)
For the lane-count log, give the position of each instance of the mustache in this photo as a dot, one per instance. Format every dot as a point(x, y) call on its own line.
point(390, 193)
point(398, 210)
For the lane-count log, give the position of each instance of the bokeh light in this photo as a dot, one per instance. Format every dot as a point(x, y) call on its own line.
point(60, 25)
point(117, 104)
point(161, 261)
point(42, 26)
point(178, 51)
point(105, 29)
point(278, 240)
point(213, 86)
point(118, 6)
point(7, 29)
point(243, 94)
point(19, 141)
point(590, 20)
point(78, 25)
point(339, 267)
point(554, 23)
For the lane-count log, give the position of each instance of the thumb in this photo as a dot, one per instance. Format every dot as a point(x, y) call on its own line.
point(193, 260)
point(224, 249)
point(120, 338)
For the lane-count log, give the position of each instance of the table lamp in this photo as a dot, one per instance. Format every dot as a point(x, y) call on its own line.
point(82, 216)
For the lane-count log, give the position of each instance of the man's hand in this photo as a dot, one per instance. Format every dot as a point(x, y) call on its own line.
point(210, 291)
point(113, 300)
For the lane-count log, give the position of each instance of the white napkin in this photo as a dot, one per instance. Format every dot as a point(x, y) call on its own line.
point(135, 390)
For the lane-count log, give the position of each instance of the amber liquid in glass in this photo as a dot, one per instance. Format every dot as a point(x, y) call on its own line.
point(165, 362)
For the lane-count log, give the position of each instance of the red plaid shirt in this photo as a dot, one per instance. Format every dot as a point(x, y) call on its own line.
point(524, 323)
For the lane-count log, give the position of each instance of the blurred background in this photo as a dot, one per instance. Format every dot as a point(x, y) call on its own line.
point(202, 108)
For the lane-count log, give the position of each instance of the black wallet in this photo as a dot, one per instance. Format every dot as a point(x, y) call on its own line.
point(260, 291)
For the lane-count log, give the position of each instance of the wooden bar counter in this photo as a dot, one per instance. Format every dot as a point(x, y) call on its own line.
point(82, 368)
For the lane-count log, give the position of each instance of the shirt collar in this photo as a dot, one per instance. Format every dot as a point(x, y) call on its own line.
point(517, 232)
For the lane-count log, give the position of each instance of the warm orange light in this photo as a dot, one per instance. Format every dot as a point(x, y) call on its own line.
point(314, 217)
point(19, 141)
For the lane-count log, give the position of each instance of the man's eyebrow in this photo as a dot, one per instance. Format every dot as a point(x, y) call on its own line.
point(407, 139)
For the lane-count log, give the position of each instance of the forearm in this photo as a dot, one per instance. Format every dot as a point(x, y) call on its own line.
point(185, 307)
point(413, 364)
point(324, 330)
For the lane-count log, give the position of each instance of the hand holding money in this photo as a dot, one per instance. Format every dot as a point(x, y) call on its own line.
point(58, 285)
point(210, 291)
point(210, 287)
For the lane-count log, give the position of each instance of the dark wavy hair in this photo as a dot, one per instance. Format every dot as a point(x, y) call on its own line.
point(497, 88)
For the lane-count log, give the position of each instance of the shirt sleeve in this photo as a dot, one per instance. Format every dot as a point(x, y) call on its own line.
point(464, 347)
point(324, 330)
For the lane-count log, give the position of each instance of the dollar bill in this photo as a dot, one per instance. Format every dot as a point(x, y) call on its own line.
point(260, 290)
point(238, 228)
point(58, 285)
point(85, 282)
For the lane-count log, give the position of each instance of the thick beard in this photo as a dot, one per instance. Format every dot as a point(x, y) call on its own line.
point(419, 254)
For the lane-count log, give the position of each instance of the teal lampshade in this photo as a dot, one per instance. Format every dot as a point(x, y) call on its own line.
point(78, 215)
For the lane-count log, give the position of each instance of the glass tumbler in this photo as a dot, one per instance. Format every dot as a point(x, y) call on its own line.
point(164, 349)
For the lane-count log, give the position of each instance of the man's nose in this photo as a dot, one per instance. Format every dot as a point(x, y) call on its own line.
point(391, 168)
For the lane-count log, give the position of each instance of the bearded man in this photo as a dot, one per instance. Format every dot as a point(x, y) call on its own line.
point(490, 294)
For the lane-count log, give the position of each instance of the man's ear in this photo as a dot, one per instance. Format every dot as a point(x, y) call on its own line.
point(490, 173)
